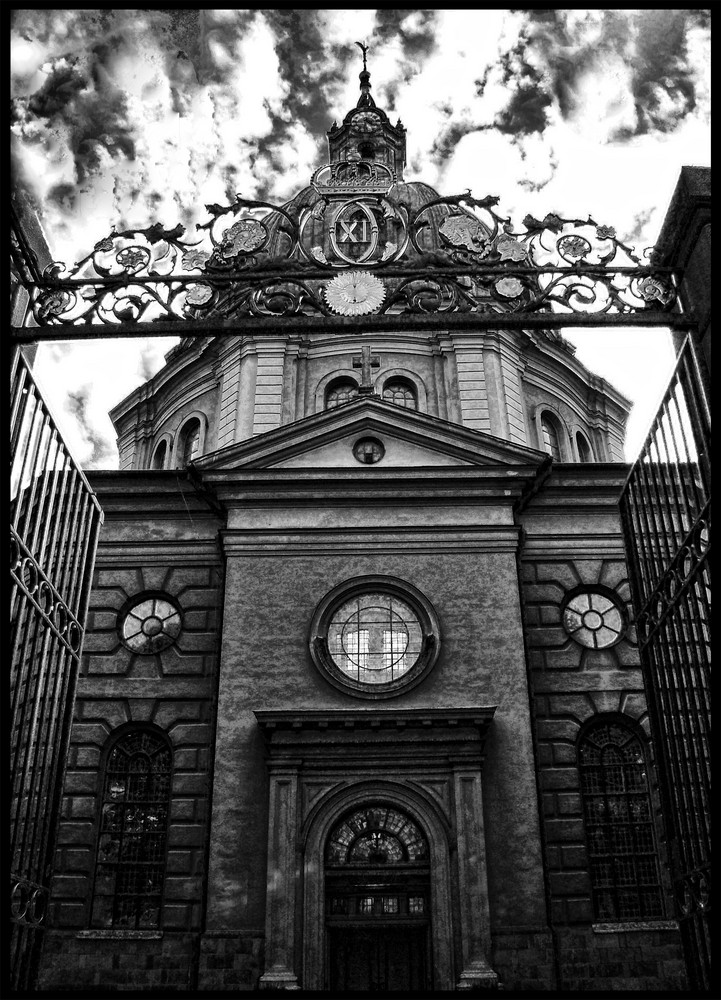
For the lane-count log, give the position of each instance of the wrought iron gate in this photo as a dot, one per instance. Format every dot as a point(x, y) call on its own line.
point(255, 270)
point(54, 523)
point(665, 509)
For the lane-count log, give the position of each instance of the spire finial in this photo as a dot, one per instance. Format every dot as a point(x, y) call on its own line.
point(364, 50)
point(365, 99)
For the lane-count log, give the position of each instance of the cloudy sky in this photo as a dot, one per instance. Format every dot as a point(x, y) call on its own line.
point(122, 118)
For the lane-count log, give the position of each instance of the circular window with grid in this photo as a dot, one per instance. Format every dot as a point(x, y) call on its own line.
point(593, 619)
point(375, 636)
point(150, 625)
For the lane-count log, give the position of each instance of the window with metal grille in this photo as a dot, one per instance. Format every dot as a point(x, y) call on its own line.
point(401, 393)
point(133, 833)
point(339, 392)
point(551, 436)
point(619, 824)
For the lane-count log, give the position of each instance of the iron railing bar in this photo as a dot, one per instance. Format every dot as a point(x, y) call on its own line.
point(651, 500)
point(39, 459)
point(56, 555)
point(658, 507)
point(55, 502)
point(44, 509)
point(71, 539)
point(702, 434)
point(262, 326)
point(20, 451)
point(671, 512)
point(46, 788)
point(695, 503)
point(73, 582)
point(642, 554)
point(286, 273)
point(29, 726)
point(26, 490)
point(18, 377)
point(694, 776)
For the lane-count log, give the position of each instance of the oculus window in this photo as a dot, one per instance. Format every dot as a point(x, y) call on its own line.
point(593, 619)
point(619, 824)
point(133, 832)
point(150, 625)
point(375, 636)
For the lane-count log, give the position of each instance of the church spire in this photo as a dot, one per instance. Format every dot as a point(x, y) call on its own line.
point(365, 100)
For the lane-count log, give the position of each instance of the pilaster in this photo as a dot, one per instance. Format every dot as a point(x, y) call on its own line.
point(280, 901)
point(472, 881)
point(471, 381)
point(245, 400)
point(229, 378)
point(269, 385)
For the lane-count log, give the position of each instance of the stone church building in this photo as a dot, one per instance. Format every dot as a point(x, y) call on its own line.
point(361, 705)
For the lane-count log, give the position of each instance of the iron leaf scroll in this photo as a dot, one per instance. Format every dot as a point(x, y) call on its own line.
point(252, 258)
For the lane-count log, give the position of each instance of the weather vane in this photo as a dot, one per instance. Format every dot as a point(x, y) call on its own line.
point(364, 50)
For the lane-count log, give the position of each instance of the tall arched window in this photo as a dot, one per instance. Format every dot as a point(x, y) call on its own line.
point(189, 441)
point(401, 392)
point(584, 448)
point(339, 392)
point(550, 433)
point(619, 824)
point(160, 455)
point(133, 832)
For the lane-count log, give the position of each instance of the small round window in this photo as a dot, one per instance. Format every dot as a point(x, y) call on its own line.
point(374, 636)
point(593, 619)
point(150, 625)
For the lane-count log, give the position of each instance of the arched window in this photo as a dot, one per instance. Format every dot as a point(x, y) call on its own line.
point(133, 832)
point(160, 455)
point(584, 448)
point(400, 392)
point(619, 824)
point(189, 442)
point(339, 392)
point(551, 436)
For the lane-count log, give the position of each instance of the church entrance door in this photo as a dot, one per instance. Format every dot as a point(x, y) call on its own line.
point(382, 958)
point(377, 902)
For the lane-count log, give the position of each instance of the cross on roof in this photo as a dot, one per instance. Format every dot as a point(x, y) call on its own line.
point(365, 362)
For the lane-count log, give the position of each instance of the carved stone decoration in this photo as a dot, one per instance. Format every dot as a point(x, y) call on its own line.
point(354, 293)
point(465, 231)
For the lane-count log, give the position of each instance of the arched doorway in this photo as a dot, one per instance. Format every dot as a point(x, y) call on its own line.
point(377, 902)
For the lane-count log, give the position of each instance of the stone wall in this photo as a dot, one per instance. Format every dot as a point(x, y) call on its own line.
point(571, 684)
point(118, 691)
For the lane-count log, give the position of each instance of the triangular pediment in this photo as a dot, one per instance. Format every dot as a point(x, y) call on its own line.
point(409, 439)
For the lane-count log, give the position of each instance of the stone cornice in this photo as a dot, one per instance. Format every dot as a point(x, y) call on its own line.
point(373, 719)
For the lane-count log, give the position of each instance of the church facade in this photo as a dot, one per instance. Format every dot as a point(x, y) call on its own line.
point(361, 705)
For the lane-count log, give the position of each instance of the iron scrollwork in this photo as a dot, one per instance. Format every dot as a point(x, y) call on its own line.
point(453, 254)
point(28, 901)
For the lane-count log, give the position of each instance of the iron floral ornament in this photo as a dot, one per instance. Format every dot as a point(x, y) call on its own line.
point(351, 256)
point(355, 293)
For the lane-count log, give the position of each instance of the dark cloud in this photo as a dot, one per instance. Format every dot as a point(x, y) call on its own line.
point(76, 404)
point(449, 137)
point(653, 44)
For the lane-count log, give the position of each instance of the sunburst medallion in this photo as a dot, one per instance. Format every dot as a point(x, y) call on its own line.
point(355, 293)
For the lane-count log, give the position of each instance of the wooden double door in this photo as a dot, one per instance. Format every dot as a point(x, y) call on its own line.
point(379, 958)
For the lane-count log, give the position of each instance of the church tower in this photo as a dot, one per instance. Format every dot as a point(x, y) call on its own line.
point(361, 705)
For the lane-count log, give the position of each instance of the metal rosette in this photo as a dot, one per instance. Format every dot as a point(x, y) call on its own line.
point(355, 293)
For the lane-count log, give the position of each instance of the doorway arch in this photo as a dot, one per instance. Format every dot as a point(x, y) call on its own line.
point(430, 868)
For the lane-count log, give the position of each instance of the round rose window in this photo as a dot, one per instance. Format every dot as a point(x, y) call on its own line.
point(375, 636)
point(593, 620)
point(150, 625)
